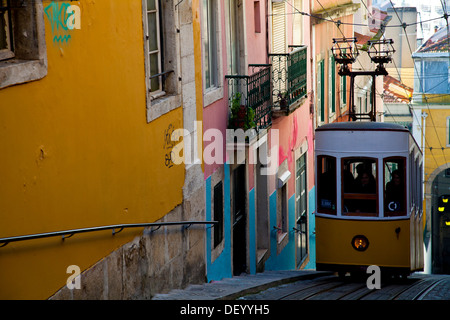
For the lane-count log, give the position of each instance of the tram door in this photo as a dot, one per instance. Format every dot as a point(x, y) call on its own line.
point(301, 210)
point(239, 221)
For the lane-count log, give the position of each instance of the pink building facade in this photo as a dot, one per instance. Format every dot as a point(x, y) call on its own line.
point(260, 186)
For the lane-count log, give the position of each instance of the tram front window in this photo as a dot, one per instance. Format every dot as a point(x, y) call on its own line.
point(359, 181)
point(394, 187)
point(326, 188)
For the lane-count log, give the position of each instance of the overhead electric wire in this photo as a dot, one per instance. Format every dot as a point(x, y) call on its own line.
point(419, 122)
point(421, 85)
point(340, 22)
point(403, 25)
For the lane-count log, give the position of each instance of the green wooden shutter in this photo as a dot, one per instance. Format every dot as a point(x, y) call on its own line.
point(321, 90)
point(332, 85)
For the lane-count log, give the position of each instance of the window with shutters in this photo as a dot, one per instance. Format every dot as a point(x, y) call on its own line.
point(160, 46)
point(211, 51)
point(209, 30)
point(162, 50)
point(278, 27)
point(23, 53)
point(320, 90)
point(155, 45)
point(279, 45)
point(331, 85)
point(6, 30)
point(298, 22)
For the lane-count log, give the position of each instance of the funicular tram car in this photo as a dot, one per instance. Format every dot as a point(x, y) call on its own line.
point(369, 199)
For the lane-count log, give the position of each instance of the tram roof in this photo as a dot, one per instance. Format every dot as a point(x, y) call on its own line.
point(359, 125)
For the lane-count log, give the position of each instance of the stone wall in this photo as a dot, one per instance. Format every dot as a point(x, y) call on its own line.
point(156, 262)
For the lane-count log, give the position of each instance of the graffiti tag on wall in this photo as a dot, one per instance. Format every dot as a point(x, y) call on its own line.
point(169, 144)
point(63, 17)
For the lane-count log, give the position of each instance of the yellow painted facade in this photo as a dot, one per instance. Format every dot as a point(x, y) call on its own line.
point(78, 152)
point(436, 135)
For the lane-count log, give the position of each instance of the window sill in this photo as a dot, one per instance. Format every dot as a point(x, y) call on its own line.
point(16, 71)
point(162, 105)
point(212, 95)
point(282, 240)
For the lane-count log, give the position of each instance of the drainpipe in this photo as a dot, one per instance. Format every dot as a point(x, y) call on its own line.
point(424, 117)
point(427, 251)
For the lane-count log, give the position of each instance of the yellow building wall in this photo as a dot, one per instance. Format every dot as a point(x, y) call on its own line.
point(77, 151)
point(436, 138)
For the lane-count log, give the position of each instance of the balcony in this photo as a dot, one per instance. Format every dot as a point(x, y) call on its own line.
point(249, 99)
point(289, 80)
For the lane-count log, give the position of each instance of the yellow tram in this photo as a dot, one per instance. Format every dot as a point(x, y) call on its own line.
point(368, 198)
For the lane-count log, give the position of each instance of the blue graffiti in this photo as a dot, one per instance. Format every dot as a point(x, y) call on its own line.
point(58, 16)
point(63, 18)
point(61, 38)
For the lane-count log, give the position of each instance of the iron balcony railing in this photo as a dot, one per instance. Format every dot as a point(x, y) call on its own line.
point(250, 99)
point(115, 229)
point(289, 77)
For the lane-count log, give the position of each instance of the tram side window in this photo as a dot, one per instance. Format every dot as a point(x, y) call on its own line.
point(359, 182)
point(394, 187)
point(326, 187)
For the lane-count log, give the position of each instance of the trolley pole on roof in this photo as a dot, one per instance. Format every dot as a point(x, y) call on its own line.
point(345, 52)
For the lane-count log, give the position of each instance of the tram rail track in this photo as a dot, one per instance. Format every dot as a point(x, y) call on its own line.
point(334, 288)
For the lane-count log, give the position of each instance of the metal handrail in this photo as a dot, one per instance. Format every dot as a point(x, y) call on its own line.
point(69, 233)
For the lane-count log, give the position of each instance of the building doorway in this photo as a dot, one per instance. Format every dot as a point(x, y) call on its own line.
point(301, 213)
point(440, 223)
point(239, 221)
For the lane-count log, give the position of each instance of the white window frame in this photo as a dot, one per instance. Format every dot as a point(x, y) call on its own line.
point(321, 103)
point(214, 91)
point(209, 42)
point(447, 126)
point(157, 51)
point(169, 98)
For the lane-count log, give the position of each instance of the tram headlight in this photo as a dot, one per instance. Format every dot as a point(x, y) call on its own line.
point(360, 243)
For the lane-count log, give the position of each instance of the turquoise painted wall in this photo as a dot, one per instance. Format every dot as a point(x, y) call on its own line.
point(221, 267)
point(252, 230)
point(312, 228)
point(285, 260)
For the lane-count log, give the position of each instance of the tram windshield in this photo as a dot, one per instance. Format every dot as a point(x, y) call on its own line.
point(359, 181)
point(394, 187)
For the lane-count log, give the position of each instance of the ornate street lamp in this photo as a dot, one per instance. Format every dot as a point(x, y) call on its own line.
point(345, 52)
point(380, 51)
